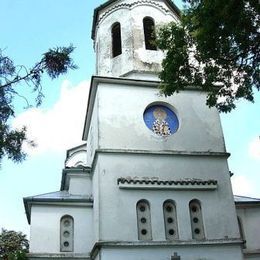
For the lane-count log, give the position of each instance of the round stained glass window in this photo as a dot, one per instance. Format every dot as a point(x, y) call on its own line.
point(161, 120)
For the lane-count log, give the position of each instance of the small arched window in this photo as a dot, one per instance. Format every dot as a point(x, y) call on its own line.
point(170, 220)
point(196, 220)
point(143, 220)
point(66, 234)
point(116, 40)
point(149, 33)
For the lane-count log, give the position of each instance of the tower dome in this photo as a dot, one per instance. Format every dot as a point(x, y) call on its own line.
point(123, 34)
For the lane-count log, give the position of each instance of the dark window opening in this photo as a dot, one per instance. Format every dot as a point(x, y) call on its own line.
point(149, 34)
point(116, 40)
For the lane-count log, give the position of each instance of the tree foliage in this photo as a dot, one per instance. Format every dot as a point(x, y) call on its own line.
point(215, 46)
point(55, 62)
point(13, 245)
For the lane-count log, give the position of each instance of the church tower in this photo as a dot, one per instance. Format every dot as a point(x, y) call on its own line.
point(123, 33)
point(154, 182)
point(161, 183)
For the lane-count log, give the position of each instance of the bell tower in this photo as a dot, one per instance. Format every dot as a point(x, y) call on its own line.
point(160, 178)
point(123, 35)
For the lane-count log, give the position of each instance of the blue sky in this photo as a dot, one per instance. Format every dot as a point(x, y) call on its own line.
point(29, 28)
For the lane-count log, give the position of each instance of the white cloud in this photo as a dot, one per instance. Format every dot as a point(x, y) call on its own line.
point(60, 127)
point(254, 148)
point(243, 186)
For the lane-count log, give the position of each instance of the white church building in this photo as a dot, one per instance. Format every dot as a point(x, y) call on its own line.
point(152, 181)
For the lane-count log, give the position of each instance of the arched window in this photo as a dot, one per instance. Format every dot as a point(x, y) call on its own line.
point(170, 220)
point(143, 220)
point(196, 220)
point(149, 33)
point(116, 40)
point(66, 234)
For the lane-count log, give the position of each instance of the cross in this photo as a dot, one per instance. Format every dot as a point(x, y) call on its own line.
point(175, 257)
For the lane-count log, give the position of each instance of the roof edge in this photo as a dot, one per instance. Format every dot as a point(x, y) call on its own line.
point(29, 201)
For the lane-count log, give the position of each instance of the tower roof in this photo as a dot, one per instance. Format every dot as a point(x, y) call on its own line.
point(169, 3)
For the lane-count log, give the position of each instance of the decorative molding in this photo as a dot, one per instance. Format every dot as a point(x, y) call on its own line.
point(156, 183)
point(131, 5)
point(174, 11)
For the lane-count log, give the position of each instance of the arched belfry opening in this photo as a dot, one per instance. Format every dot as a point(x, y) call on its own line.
point(124, 37)
point(149, 33)
point(116, 39)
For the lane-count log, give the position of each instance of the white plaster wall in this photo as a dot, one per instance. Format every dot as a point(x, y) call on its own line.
point(117, 209)
point(250, 218)
point(134, 56)
point(80, 184)
point(163, 253)
point(121, 126)
point(97, 202)
point(45, 228)
point(93, 135)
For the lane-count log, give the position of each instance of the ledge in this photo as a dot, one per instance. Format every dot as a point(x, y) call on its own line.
point(156, 183)
point(251, 253)
point(68, 256)
point(164, 152)
point(176, 243)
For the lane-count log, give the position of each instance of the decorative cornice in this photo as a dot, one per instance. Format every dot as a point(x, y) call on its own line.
point(156, 183)
point(130, 6)
point(174, 11)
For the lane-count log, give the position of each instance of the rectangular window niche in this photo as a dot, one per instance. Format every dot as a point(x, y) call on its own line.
point(157, 184)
